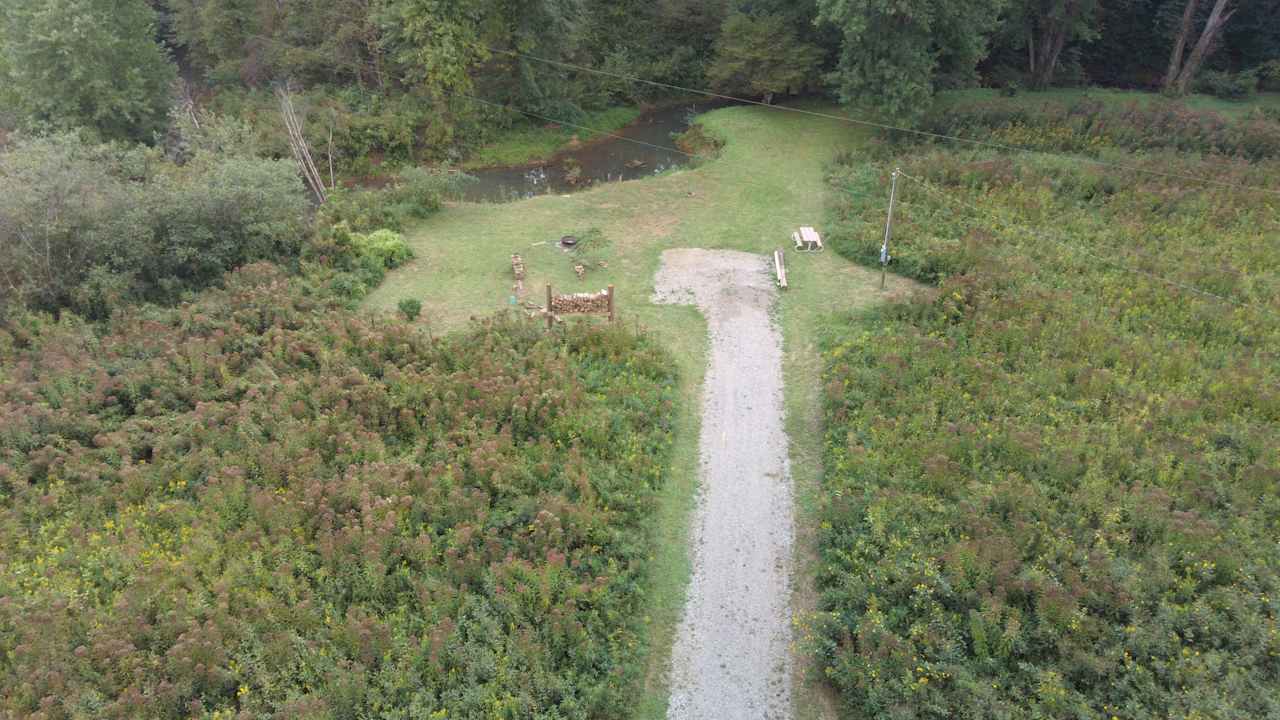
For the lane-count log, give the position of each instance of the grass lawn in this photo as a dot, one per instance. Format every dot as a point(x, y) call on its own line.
point(1116, 98)
point(767, 181)
point(535, 140)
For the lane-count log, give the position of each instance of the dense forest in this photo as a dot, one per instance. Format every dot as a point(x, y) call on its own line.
point(397, 74)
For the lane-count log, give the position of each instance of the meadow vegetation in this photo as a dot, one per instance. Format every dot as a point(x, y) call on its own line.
point(1052, 485)
point(262, 504)
point(1089, 125)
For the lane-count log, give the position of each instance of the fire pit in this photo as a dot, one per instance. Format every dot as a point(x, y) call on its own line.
point(568, 241)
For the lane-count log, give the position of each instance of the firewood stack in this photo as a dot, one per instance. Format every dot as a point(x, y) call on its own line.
point(517, 268)
point(581, 303)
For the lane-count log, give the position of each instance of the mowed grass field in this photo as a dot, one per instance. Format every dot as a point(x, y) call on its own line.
point(767, 181)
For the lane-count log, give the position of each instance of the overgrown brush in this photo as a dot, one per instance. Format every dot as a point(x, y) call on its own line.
point(263, 505)
point(1091, 127)
point(1052, 484)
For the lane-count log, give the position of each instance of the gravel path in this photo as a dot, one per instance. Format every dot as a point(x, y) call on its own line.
point(731, 657)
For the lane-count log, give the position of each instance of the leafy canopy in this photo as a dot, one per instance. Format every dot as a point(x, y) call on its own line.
point(896, 53)
point(761, 55)
point(91, 63)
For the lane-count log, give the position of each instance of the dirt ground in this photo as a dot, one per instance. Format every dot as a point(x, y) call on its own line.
point(731, 657)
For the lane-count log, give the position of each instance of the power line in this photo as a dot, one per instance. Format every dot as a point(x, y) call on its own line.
point(885, 126)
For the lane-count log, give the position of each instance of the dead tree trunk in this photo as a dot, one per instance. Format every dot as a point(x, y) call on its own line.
point(1180, 44)
point(1204, 47)
point(298, 144)
point(1054, 31)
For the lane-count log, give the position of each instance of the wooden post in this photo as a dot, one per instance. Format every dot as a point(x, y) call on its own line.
point(550, 317)
point(610, 303)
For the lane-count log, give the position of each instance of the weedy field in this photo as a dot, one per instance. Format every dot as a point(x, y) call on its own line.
point(265, 504)
point(1052, 490)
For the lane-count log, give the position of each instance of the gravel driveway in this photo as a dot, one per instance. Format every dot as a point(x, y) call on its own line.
point(731, 658)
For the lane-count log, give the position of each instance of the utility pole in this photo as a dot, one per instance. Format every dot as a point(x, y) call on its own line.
point(888, 227)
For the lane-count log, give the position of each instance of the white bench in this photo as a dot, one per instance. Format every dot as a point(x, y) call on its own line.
point(807, 239)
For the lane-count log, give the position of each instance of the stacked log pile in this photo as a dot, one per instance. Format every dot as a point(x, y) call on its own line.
point(581, 303)
point(517, 269)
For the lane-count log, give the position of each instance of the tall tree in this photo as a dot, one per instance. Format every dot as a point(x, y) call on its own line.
point(90, 63)
point(1042, 29)
point(761, 56)
point(893, 52)
point(1181, 71)
point(434, 43)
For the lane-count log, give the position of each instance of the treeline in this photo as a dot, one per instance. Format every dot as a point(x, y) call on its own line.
point(420, 61)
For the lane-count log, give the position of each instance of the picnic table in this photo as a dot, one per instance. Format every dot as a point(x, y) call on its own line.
point(807, 239)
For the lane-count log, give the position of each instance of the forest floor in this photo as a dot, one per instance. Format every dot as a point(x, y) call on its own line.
point(767, 181)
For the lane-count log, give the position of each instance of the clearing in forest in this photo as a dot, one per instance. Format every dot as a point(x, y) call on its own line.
point(767, 181)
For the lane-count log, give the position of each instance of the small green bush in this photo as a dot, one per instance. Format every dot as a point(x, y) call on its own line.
point(354, 263)
point(410, 308)
point(387, 247)
point(415, 193)
point(1228, 86)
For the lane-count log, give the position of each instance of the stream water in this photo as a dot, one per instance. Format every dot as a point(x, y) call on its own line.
point(607, 159)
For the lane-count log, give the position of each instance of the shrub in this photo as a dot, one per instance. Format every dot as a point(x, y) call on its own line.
point(1228, 86)
point(698, 141)
point(218, 214)
point(414, 194)
point(1269, 76)
point(160, 230)
point(1050, 484)
point(261, 504)
point(1092, 128)
point(64, 210)
point(385, 247)
point(410, 308)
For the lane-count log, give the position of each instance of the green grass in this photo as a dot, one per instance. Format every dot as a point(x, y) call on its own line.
point(1115, 98)
point(534, 141)
point(767, 181)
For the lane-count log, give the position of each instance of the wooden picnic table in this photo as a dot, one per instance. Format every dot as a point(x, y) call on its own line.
point(807, 239)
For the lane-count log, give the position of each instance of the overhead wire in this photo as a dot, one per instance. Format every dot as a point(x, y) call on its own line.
point(886, 126)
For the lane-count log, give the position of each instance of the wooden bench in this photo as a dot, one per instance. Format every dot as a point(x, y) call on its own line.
point(807, 239)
